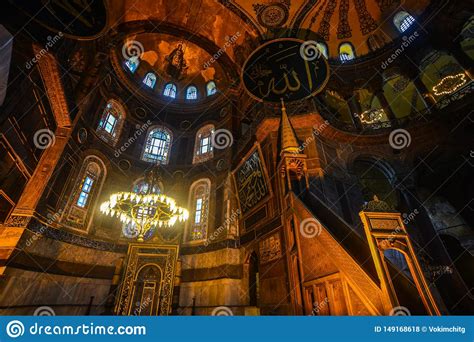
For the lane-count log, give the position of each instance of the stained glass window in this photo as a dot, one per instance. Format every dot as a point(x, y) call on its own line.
point(92, 172)
point(111, 122)
point(132, 63)
point(170, 90)
point(85, 191)
point(199, 202)
point(157, 146)
point(150, 80)
point(203, 144)
point(346, 52)
point(211, 88)
point(80, 206)
point(403, 20)
point(191, 93)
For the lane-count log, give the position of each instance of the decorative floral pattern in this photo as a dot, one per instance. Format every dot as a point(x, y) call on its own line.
point(325, 23)
point(367, 23)
point(344, 30)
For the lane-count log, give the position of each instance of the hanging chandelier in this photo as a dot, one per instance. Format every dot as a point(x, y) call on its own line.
point(450, 84)
point(145, 211)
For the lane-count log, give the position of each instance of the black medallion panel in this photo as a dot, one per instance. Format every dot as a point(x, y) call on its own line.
point(288, 69)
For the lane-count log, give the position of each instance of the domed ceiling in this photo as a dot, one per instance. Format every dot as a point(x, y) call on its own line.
point(198, 68)
point(203, 18)
point(334, 21)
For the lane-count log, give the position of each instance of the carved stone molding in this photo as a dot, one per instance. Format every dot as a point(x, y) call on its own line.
point(49, 71)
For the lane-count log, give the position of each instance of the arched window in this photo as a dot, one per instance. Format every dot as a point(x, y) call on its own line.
point(403, 21)
point(211, 88)
point(111, 122)
point(85, 192)
point(346, 52)
point(203, 144)
point(199, 205)
point(150, 80)
point(191, 93)
point(323, 48)
point(170, 90)
point(157, 145)
point(132, 63)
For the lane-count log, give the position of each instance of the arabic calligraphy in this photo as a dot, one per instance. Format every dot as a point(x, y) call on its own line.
point(251, 182)
point(276, 69)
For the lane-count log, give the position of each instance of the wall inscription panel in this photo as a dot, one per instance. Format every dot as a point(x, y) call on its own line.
point(251, 181)
point(270, 248)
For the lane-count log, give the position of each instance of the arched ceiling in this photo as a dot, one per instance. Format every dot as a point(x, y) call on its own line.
point(333, 21)
point(207, 18)
point(198, 70)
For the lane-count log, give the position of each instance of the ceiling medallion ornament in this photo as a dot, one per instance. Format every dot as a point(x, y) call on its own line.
point(144, 212)
point(272, 15)
point(450, 84)
point(286, 68)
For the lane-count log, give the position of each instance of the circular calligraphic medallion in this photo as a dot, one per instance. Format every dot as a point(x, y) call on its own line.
point(287, 68)
point(273, 15)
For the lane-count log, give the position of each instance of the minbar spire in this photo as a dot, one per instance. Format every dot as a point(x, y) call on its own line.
point(289, 143)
